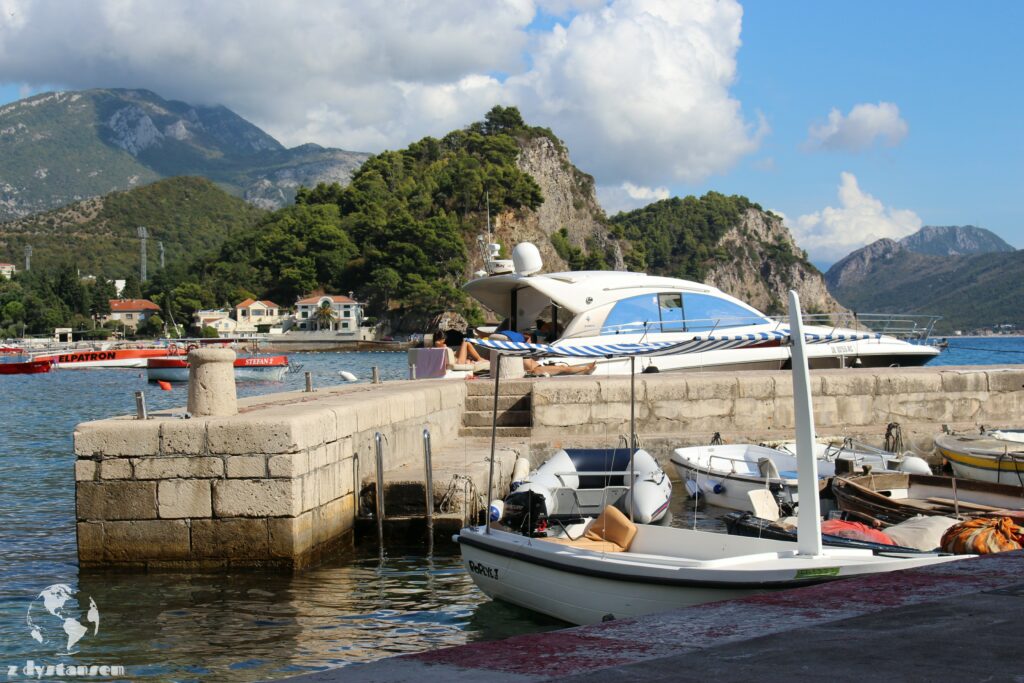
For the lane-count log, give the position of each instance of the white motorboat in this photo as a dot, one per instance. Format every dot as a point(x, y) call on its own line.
point(610, 307)
point(580, 482)
point(726, 475)
point(620, 569)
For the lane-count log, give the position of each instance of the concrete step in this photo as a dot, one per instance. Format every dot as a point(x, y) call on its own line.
point(510, 387)
point(506, 418)
point(475, 403)
point(503, 432)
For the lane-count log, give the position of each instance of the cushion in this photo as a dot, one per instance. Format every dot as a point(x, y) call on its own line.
point(923, 533)
point(612, 526)
point(588, 544)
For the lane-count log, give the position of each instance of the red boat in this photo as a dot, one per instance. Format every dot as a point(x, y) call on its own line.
point(110, 358)
point(251, 368)
point(31, 367)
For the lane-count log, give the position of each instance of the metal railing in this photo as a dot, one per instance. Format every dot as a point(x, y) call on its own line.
point(912, 327)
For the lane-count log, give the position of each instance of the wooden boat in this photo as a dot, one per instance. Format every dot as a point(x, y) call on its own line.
point(247, 368)
point(31, 367)
point(619, 569)
point(109, 358)
point(995, 456)
point(895, 497)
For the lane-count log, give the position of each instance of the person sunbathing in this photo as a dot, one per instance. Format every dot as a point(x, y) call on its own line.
point(467, 353)
point(532, 367)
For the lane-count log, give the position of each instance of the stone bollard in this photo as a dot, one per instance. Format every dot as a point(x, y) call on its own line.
point(211, 382)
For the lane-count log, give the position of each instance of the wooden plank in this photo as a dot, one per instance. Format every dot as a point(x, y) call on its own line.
point(949, 502)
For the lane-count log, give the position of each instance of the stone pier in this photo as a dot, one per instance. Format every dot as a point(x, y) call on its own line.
point(274, 486)
point(278, 484)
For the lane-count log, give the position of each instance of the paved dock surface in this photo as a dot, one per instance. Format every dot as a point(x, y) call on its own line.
point(952, 622)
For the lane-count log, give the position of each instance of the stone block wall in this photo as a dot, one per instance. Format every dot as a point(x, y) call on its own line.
point(275, 485)
point(760, 404)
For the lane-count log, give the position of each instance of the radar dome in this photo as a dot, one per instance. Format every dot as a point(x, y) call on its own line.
point(526, 258)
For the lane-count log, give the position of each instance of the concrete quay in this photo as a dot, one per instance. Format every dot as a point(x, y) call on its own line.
point(281, 483)
point(950, 622)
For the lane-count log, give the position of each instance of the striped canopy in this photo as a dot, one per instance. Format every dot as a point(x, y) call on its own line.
point(698, 344)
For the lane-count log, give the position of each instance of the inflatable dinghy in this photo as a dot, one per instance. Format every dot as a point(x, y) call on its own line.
point(579, 482)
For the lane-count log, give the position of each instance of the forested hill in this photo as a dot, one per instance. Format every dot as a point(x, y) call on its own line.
point(725, 241)
point(970, 292)
point(190, 216)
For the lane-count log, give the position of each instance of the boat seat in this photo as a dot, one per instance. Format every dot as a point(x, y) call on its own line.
point(767, 468)
point(611, 532)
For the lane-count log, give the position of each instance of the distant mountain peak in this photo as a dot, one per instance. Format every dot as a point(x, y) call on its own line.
point(955, 240)
point(60, 147)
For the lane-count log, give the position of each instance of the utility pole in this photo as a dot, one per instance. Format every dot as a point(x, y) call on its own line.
point(28, 257)
point(160, 246)
point(143, 234)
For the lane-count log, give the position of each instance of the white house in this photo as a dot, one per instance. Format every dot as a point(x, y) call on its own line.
point(252, 315)
point(217, 318)
point(348, 314)
point(7, 270)
point(131, 312)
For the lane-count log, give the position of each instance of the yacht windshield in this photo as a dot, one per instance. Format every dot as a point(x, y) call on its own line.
point(677, 312)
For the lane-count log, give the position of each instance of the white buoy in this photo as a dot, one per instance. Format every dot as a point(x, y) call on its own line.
point(348, 376)
point(497, 509)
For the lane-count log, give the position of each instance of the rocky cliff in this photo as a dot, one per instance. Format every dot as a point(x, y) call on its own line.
point(570, 204)
point(57, 148)
point(765, 263)
point(955, 240)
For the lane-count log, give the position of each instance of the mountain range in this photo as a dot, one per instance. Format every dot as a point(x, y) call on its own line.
point(60, 147)
point(966, 274)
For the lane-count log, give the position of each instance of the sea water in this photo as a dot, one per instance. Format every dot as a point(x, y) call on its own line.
point(240, 626)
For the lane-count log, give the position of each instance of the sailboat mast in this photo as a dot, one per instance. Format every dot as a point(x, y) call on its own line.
point(809, 511)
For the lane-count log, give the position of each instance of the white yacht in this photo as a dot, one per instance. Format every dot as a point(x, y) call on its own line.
point(615, 307)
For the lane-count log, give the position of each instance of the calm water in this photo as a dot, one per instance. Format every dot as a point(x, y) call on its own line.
point(242, 626)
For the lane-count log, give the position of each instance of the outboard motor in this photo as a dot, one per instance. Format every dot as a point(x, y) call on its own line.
point(524, 510)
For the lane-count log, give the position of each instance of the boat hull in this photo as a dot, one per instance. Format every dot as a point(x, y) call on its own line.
point(986, 459)
point(248, 369)
point(113, 358)
point(586, 587)
point(32, 367)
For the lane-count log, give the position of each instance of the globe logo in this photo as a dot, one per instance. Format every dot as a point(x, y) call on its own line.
point(55, 618)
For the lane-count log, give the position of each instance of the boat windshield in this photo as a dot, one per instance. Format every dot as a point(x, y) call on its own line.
point(677, 312)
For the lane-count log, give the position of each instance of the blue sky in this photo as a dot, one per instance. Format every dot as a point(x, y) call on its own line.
point(949, 69)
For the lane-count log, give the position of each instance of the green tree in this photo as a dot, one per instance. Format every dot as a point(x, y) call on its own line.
point(324, 316)
point(132, 287)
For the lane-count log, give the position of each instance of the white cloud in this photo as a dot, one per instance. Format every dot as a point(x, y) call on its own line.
point(832, 233)
point(638, 88)
point(627, 196)
point(865, 125)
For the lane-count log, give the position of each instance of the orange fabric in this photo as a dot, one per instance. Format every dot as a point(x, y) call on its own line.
point(855, 531)
point(612, 526)
point(982, 536)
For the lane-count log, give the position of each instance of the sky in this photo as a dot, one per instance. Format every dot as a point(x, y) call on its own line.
point(854, 121)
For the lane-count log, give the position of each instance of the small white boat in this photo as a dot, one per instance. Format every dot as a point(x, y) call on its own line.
point(580, 482)
point(725, 475)
point(619, 569)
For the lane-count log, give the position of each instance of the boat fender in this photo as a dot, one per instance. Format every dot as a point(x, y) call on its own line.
point(914, 465)
point(692, 488)
point(497, 509)
point(348, 376)
point(520, 472)
point(712, 486)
